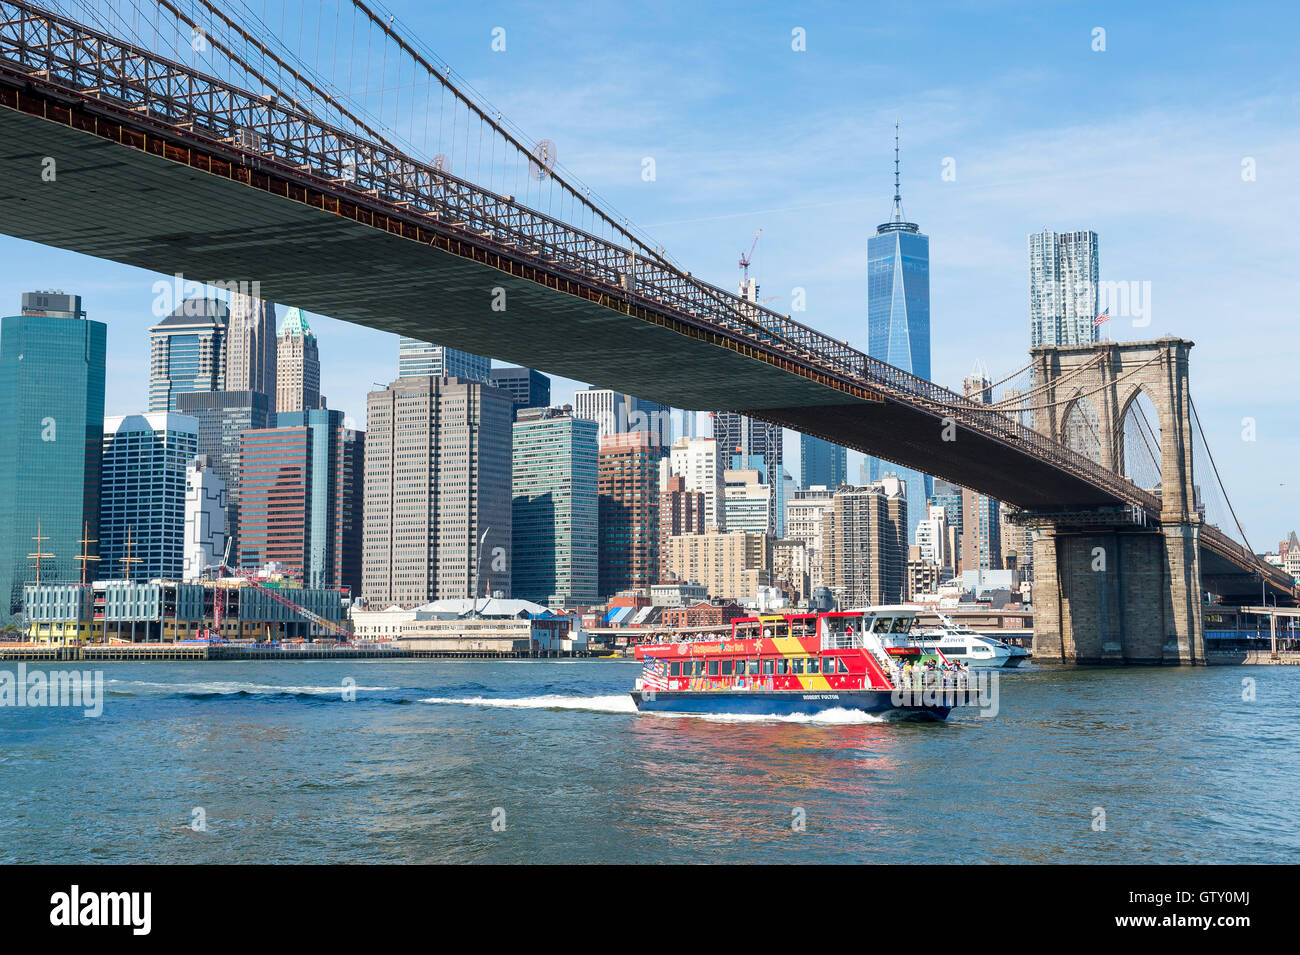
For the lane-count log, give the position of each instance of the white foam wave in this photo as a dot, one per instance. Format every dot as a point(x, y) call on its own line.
point(832, 717)
point(620, 703)
point(227, 688)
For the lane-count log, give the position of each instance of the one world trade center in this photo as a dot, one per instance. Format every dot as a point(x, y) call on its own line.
point(898, 323)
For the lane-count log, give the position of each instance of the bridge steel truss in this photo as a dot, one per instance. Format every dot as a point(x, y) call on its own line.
point(68, 73)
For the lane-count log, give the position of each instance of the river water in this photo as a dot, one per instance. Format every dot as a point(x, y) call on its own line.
point(546, 761)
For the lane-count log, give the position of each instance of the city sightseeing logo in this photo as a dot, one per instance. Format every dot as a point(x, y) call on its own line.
point(949, 688)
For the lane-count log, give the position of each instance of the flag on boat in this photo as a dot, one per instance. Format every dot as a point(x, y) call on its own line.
point(654, 674)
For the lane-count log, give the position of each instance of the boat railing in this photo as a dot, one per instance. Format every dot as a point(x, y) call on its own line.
point(843, 641)
point(932, 679)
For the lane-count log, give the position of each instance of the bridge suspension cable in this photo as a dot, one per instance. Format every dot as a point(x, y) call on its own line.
point(1102, 387)
point(1196, 418)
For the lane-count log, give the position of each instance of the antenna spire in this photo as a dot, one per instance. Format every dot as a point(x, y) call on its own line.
point(898, 192)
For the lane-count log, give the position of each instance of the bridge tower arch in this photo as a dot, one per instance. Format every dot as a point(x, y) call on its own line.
point(1112, 590)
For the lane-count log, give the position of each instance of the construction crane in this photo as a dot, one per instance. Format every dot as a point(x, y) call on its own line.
point(746, 258)
point(220, 601)
point(335, 628)
point(219, 598)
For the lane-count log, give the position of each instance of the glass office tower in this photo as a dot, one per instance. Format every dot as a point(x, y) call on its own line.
point(51, 438)
point(898, 322)
point(822, 463)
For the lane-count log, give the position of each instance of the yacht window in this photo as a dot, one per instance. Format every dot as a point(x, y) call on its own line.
point(844, 667)
point(674, 669)
point(782, 666)
point(767, 668)
point(828, 664)
point(900, 624)
point(727, 666)
point(814, 665)
point(880, 625)
point(713, 668)
point(753, 667)
point(699, 667)
point(796, 665)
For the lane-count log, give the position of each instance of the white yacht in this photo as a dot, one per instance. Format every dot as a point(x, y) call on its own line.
point(958, 642)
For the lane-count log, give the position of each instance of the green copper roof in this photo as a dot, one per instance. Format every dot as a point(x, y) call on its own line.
point(295, 325)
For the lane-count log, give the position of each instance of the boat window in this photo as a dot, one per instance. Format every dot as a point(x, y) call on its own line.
point(901, 624)
point(880, 625)
point(796, 665)
point(782, 666)
point(713, 668)
point(727, 666)
point(814, 665)
point(843, 666)
point(753, 667)
point(767, 668)
point(674, 669)
point(699, 667)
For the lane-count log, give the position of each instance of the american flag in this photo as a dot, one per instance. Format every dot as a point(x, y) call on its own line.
point(1102, 318)
point(654, 674)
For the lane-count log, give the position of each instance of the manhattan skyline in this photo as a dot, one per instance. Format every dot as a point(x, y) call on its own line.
point(1129, 142)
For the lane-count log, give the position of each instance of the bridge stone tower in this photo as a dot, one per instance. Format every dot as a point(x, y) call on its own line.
point(1118, 585)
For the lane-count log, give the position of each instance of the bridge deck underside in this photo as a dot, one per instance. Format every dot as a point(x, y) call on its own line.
point(128, 206)
point(118, 203)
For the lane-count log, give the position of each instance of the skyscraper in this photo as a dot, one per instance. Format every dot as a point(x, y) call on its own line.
point(680, 512)
point(747, 496)
point(528, 388)
point(981, 535)
point(206, 526)
point(142, 494)
point(803, 522)
point(1063, 288)
point(898, 319)
point(302, 498)
point(556, 509)
point(629, 512)
point(416, 358)
point(698, 463)
point(223, 416)
point(981, 523)
point(821, 462)
point(739, 436)
point(438, 520)
point(251, 347)
point(187, 352)
point(864, 556)
point(617, 413)
point(51, 439)
point(297, 365)
point(740, 440)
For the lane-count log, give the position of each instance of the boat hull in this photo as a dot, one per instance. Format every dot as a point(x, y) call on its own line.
point(782, 703)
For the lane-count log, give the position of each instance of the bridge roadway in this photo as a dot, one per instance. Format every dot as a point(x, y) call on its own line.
point(148, 179)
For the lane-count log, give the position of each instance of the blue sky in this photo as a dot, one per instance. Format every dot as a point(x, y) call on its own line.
point(1143, 143)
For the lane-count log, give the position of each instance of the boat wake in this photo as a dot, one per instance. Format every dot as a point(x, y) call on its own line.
point(832, 717)
point(232, 688)
point(622, 703)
